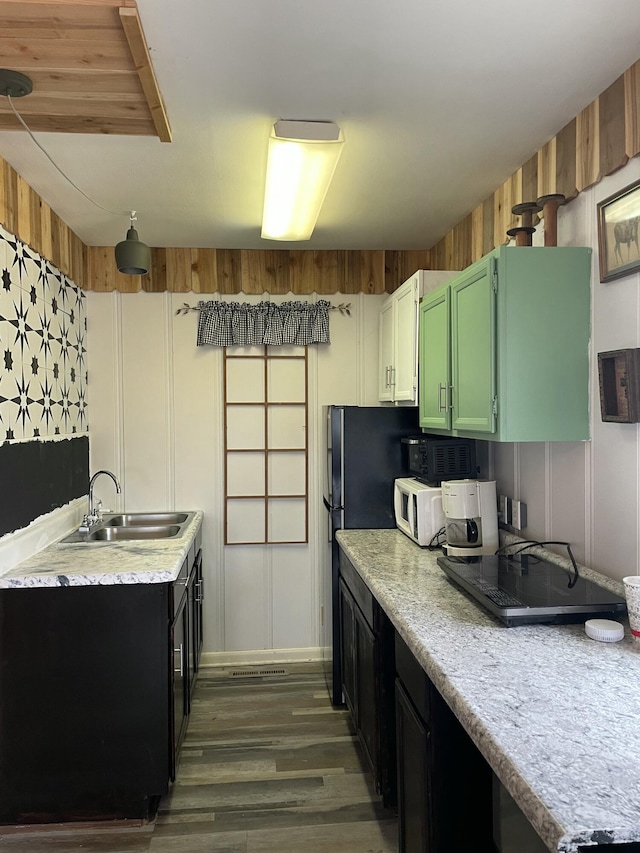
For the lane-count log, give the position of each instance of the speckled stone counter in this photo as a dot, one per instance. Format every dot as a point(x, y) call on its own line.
point(556, 714)
point(84, 564)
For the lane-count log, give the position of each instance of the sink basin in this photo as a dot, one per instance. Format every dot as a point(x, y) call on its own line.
point(134, 519)
point(134, 526)
point(118, 534)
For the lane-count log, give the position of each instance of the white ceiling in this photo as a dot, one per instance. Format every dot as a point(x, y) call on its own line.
point(439, 102)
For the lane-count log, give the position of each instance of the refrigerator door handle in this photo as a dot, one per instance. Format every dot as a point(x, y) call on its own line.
point(329, 506)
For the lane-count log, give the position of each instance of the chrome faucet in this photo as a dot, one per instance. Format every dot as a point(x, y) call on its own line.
point(94, 514)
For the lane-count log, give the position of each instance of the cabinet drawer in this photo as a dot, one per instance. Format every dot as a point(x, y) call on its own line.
point(359, 590)
point(414, 679)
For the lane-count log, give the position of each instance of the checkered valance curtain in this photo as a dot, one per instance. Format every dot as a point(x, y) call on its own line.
point(226, 324)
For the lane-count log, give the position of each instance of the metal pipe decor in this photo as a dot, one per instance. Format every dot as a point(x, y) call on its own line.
point(523, 233)
point(550, 204)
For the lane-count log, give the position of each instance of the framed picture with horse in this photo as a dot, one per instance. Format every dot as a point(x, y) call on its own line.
point(618, 219)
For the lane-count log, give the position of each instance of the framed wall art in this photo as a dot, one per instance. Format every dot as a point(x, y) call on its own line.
point(618, 220)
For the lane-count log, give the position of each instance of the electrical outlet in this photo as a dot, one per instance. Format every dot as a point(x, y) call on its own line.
point(503, 508)
point(518, 515)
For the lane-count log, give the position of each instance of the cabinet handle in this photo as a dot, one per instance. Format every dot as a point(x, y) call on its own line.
point(200, 591)
point(386, 376)
point(392, 372)
point(447, 405)
point(181, 650)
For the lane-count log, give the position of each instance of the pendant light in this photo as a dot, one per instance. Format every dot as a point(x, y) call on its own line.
point(132, 256)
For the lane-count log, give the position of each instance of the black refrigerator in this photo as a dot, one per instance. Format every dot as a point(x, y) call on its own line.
point(363, 458)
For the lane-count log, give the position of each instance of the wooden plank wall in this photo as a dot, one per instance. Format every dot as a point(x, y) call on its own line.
point(592, 145)
point(24, 213)
point(256, 271)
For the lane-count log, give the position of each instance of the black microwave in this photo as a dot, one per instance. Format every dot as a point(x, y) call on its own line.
point(432, 459)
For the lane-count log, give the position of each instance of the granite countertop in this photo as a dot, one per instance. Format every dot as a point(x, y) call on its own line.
point(555, 713)
point(104, 563)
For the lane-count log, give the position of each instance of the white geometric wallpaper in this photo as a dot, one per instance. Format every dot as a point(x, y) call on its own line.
point(43, 371)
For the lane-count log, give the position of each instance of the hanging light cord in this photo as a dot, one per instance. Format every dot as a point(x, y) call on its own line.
point(55, 165)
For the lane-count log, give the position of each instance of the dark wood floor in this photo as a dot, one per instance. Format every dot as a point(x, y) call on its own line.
point(268, 766)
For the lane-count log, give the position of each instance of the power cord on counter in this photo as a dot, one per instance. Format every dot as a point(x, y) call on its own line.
point(437, 540)
point(532, 543)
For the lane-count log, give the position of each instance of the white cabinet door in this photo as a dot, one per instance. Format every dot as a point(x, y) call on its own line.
point(405, 361)
point(386, 348)
point(398, 345)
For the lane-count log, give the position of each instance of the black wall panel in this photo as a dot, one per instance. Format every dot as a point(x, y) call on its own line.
point(39, 476)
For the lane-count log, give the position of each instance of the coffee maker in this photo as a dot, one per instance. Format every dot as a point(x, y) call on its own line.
point(471, 517)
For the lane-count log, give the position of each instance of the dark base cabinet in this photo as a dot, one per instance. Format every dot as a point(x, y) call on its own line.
point(185, 647)
point(195, 591)
point(414, 799)
point(83, 702)
point(444, 783)
point(94, 698)
point(367, 676)
point(180, 656)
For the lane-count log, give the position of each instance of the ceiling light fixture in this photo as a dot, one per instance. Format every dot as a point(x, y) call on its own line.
point(302, 159)
point(13, 84)
point(135, 258)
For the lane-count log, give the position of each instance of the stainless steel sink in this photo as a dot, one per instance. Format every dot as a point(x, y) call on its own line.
point(134, 519)
point(118, 534)
point(138, 526)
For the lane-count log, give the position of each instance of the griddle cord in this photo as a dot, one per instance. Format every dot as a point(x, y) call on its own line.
point(532, 543)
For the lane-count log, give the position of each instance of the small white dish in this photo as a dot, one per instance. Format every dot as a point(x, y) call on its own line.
point(604, 630)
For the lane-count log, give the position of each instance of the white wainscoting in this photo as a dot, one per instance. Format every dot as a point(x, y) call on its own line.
point(156, 422)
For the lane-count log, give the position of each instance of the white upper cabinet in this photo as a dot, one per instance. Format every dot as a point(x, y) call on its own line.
point(387, 346)
point(398, 372)
point(398, 338)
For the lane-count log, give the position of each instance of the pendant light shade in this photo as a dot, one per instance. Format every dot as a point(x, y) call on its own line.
point(132, 256)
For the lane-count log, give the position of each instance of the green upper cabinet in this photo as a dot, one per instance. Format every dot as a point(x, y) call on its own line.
point(434, 360)
point(473, 349)
point(504, 348)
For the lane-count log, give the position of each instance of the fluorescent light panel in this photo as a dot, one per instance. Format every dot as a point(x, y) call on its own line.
point(302, 158)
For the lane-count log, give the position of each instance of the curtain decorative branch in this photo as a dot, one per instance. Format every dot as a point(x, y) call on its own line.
point(225, 324)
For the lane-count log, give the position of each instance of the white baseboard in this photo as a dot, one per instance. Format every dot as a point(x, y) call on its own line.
point(260, 656)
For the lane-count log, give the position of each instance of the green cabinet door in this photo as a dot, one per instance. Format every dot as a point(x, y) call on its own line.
point(473, 348)
point(434, 360)
point(504, 347)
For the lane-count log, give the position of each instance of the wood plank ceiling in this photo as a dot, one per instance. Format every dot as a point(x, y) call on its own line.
point(89, 64)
